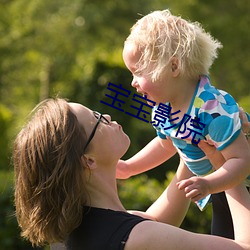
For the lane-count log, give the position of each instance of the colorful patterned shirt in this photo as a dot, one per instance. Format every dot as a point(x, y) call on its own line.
point(213, 115)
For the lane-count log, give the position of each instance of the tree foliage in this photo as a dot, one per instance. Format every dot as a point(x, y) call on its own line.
point(72, 48)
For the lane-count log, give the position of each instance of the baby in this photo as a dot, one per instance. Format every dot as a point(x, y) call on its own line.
point(170, 59)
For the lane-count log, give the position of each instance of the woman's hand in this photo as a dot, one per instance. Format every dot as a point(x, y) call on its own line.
point(245, 124)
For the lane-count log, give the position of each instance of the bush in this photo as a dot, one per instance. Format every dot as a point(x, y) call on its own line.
point(139, 192)
point(9, 231)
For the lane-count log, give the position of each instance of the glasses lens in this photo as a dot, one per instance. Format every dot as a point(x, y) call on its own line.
point(105, 120)
point(97, 115)
point(100, 117)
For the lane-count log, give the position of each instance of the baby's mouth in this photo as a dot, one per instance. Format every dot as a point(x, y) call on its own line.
point(144, 94)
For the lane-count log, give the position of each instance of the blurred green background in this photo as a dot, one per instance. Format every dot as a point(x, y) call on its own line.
point(72, 48)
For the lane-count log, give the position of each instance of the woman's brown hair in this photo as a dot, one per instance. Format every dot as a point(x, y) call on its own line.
point(49, 182)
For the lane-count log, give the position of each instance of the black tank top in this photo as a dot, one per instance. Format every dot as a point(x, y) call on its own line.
point(102, 229)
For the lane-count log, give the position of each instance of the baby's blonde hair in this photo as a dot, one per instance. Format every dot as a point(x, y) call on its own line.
point(161, 36)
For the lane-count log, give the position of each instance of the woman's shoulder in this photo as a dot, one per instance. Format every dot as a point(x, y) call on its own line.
point(110, 227)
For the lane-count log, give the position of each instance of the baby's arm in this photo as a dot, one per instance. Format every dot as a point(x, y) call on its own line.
point(233, 172)
point(153, 154)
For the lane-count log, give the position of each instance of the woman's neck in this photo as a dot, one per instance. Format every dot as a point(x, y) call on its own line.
point(102, 189)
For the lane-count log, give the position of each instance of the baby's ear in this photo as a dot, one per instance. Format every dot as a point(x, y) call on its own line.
point(175, 66)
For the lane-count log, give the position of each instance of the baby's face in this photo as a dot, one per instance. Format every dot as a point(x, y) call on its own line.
point(142, 80)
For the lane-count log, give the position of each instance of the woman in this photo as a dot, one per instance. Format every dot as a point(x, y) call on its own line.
point(65, 188)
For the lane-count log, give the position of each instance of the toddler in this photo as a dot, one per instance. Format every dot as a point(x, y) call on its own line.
point(170, 59)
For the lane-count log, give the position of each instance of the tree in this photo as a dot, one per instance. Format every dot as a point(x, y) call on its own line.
point(72, 48)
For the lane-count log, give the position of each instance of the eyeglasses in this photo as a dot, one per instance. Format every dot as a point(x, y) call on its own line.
point(100, 118)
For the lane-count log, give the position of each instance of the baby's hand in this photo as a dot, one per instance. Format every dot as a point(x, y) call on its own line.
point(122, 170)
point(195, 187)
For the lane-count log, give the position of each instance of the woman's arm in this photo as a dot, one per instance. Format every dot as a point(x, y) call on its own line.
point(239, 203)
point(160, 236)
point(171, 207)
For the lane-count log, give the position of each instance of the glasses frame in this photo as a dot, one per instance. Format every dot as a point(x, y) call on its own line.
point(100, 118)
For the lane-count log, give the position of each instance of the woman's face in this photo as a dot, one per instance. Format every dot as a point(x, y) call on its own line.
point(109, 139)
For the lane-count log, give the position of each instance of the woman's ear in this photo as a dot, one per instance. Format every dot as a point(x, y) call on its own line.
point(175, 66)
point(89, 161)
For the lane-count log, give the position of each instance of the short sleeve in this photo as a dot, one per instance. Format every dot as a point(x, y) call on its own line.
point(162, 136)
point(221, 118)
